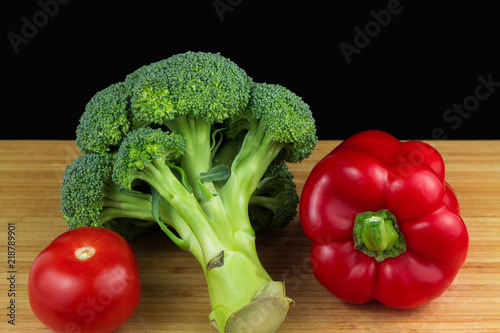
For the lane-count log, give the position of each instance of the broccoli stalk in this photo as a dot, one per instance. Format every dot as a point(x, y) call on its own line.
point(239, 286)
point(211, 146)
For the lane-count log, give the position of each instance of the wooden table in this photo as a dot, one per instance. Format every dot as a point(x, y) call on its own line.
point(174, 294)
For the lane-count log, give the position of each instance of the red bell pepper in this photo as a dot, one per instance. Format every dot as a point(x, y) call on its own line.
point(384, 223)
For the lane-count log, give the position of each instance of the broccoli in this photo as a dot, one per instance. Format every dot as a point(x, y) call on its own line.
point(105, 123)
point(273, 203)
point(90, 198)
point(193, 145)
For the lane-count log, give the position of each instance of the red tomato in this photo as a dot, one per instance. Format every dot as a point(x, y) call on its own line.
point(86, 280)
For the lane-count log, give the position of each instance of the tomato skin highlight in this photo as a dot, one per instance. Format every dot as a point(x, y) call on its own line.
point(97, 293)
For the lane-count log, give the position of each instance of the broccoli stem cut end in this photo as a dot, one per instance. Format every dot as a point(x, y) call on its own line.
point(265, 313)
point(244, 297)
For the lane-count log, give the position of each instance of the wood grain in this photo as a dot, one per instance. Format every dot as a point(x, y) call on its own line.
point(174, 294)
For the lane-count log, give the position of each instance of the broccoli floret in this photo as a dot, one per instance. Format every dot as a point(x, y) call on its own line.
point(105, 121)
point(90, 198)
point(143, 154)
point(274, 203)
point(276, 125)
point(196, 85)
point(277, 120)
point(203, 149)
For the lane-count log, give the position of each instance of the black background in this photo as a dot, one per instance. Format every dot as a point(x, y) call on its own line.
point(409, 78)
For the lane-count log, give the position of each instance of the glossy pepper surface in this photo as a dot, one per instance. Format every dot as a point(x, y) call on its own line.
point(384, 223)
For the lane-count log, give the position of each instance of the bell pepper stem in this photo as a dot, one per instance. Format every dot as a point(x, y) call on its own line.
point(377, 235)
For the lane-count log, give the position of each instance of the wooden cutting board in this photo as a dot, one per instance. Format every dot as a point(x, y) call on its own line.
point(174, 294)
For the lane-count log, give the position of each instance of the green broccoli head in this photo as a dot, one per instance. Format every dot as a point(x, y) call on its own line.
point(89, 198)
point(285, 117)
point(277, 122)
point(143, 150)
point(194, 84)
point(274, 202)
point(105, 121)
point(82, 189)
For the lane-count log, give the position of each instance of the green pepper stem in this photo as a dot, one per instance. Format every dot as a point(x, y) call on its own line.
point(377, 235)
